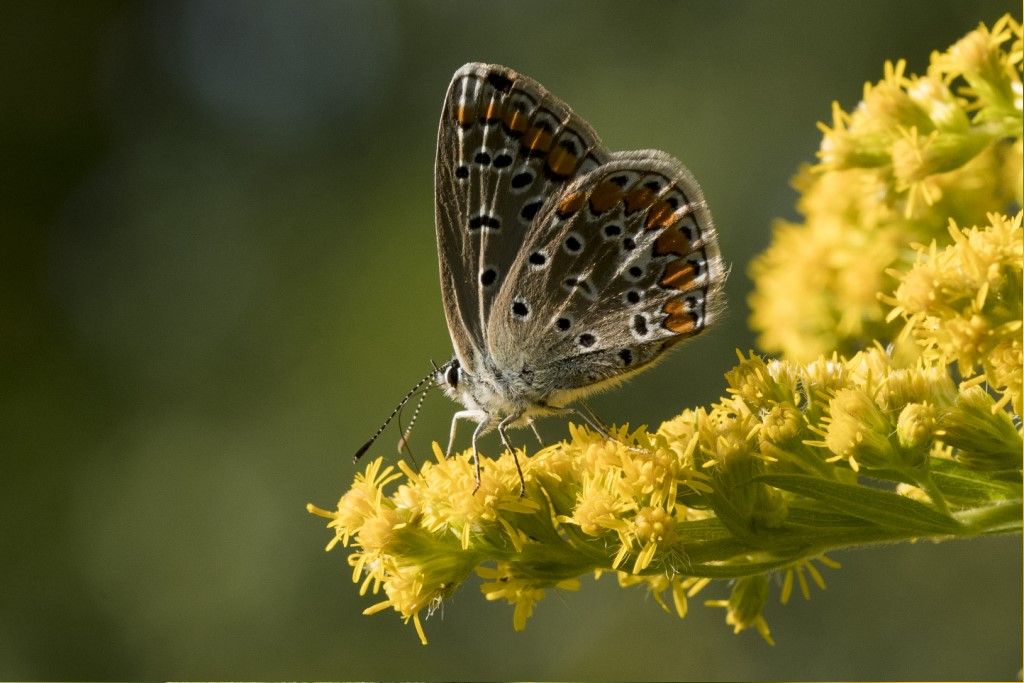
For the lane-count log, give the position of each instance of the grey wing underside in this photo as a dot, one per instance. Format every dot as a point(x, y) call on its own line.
point(621, 265)
point(505, 146)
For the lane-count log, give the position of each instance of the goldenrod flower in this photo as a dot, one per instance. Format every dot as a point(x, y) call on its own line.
point(963, 303)
point(523, 593)
point(599, 508)
point(681, 588)
point(917, 152)
point(922, 383)
point(653, 527)
point(985, 437)
point(800, 571)
point(916, 425)
point(744, 606)
point(858, 430)
point(782, 424)
point(732, 491)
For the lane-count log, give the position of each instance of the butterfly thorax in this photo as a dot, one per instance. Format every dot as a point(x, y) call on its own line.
point(495, 393)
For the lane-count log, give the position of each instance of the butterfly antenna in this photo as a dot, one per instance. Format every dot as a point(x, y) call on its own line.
point(403, 442)
point(380, 430)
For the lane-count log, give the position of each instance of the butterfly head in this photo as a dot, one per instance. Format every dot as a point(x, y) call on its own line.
point(484, 392)
point(450, 378)
point(472, 391)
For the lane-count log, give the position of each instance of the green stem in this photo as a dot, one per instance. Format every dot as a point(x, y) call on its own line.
point(999, 518)
point(927, 485)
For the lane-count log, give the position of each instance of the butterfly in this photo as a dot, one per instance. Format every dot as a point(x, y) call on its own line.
point(565, 268)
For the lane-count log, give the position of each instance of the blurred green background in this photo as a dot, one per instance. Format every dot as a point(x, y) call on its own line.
point(219, 274)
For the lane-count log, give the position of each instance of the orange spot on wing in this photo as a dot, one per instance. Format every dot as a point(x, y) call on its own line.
point(640, 198)
point(605, 196)
point(569, 205)
point(515, 121)
point(672, 242)
point(493, 112)
point(679, 274)
point(660, 216)
point(679, 320)
point(562, 162)
point(466, 116)
point(537, 140)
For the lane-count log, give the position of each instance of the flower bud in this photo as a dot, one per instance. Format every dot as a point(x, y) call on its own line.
point(916, 157)
point(745, 606)
point(985, 440)
point(859, 430)
point(915, 427)
point(782, 423)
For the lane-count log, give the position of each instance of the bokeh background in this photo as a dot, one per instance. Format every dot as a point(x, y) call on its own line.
point(219, 274)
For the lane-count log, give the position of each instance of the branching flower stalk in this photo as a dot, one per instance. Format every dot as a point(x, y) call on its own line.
point(768, 479)
point(917, 435)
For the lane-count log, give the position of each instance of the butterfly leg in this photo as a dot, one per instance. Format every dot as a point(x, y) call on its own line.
point(595, 423)
point(536, 433)
point(481, 428)
point(463, 415)
point(502, 426)
point(592, 420)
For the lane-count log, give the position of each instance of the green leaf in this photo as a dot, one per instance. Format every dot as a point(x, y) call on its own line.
point(964, 485)
point(813, 517)
point(878, 507)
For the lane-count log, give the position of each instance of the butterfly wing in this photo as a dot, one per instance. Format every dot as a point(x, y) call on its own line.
point(619, 266)
point(505, 146)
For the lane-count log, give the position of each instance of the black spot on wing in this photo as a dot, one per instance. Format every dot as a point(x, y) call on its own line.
point(530, 210)
point(499, 82)
point(522, 179)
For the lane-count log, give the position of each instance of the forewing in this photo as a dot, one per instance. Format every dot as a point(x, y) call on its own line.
point(505, 146)
point(621, 265)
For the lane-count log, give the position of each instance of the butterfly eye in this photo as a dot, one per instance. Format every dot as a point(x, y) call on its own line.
point(451, 376)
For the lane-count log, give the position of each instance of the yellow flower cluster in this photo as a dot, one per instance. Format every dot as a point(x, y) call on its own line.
point(963, 303)
point(915, 153)
point(426, 537)
point(763, 480)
